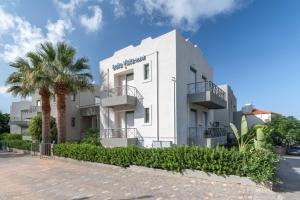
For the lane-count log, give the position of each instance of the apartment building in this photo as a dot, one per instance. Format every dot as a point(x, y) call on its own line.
point(82, 112)
point(161, 92)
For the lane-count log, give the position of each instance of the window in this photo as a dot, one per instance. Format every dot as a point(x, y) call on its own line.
point(146, 71)
point(73, 121)
point(73, 97)
point(38, 102)
point(147, 115)
point(97, 100)
point(204, 78)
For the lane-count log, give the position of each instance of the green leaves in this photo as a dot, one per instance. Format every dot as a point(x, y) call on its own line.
point(259, 165)
point(235, 131)
point(244, 126)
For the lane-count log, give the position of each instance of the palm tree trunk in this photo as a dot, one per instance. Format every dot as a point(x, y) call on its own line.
point(61, 116)
point(46, 115)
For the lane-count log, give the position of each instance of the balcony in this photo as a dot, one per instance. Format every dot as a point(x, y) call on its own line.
point(206, 94)
point(120, 98)
point(209, 137)
point(119, 137)
point(31, 112)
point(89, 110)
point(18, 121)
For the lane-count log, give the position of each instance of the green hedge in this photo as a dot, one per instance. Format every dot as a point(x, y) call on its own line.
point(18, 144)
point(10, 136)
point(260, 166)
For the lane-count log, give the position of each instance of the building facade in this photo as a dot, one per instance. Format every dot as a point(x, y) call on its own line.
point(82, 112)
point(161, 92)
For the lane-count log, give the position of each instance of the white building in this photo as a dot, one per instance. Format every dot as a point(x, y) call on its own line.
point(256, 116)
point(160, 92)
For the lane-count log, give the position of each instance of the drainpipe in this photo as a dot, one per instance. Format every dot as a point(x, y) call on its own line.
point(108, 96)
point(157, 95)
point(175, 120)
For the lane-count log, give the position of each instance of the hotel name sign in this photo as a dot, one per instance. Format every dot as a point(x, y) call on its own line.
point(128, 62)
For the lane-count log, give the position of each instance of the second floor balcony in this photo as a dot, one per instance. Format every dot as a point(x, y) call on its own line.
point(120, 97)
point(207, 94)
point(31, 112)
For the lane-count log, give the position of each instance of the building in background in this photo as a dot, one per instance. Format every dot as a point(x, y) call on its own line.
point(253, 115)
point(82, 112)
point(223, 117)
point(161, 92)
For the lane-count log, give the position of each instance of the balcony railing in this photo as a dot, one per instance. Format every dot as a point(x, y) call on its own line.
point(119, 133)
point(196, 134)
point(125, 90)
point(199, 87)
point(32, 109)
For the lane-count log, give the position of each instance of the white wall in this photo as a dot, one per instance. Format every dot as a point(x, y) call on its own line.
point(187, 55)
point(175, 56)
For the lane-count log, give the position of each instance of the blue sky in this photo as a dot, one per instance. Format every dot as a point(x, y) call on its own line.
point(253, 45)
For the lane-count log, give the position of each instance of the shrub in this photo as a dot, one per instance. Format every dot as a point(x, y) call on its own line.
point(35, 128)
point(91, 137)
point(18, 144)
point(259, 165)
point(10, 136)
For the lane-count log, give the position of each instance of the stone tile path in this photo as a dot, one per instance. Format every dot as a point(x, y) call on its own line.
point(24, 177)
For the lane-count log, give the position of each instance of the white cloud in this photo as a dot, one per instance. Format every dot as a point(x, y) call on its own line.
point(67, 9)
point(185, 14)
point(6, 21)
point(94, 22)
point(3, 90)
point(119, 9)
point(57, 30)
point(25, 37)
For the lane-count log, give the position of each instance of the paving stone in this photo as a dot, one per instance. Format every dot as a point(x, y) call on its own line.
point(33, 178)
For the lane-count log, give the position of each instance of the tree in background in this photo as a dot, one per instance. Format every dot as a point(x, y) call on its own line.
point(31, 75)
point(4, 120)
point(35, 128)
point(285, 129)
point(69, 75)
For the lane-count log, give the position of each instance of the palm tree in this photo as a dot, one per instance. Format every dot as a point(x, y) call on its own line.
point(69, 77)
point(31, 76)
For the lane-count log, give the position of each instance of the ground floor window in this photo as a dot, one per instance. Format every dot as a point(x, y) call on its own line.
point(147, 115)
point(73, 121)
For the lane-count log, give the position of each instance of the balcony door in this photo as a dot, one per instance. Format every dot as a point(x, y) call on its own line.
point(129, 82)
point(192, 138)
point(193, 118)
point(129, 123)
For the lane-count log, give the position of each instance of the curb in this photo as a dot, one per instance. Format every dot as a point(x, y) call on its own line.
point(230, 179)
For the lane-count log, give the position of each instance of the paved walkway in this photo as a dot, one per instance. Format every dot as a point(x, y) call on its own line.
point(23, 177)
point(289, 174)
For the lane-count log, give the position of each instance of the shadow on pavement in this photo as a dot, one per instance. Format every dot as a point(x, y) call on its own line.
point(289, 175)
point(140, 197)
point(5, 154)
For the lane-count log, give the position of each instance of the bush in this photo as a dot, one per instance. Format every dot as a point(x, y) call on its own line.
point(35, 128)
point(260, 165)
point(18, 144)
point(10, 136)
point(91, 137)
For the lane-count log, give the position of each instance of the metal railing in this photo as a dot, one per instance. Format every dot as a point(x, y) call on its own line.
point(121, 91)
point(196, 134)
point(198, 87)
point(32, 109)
point(215, 132)
point(119, 133)
point(46, 149)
